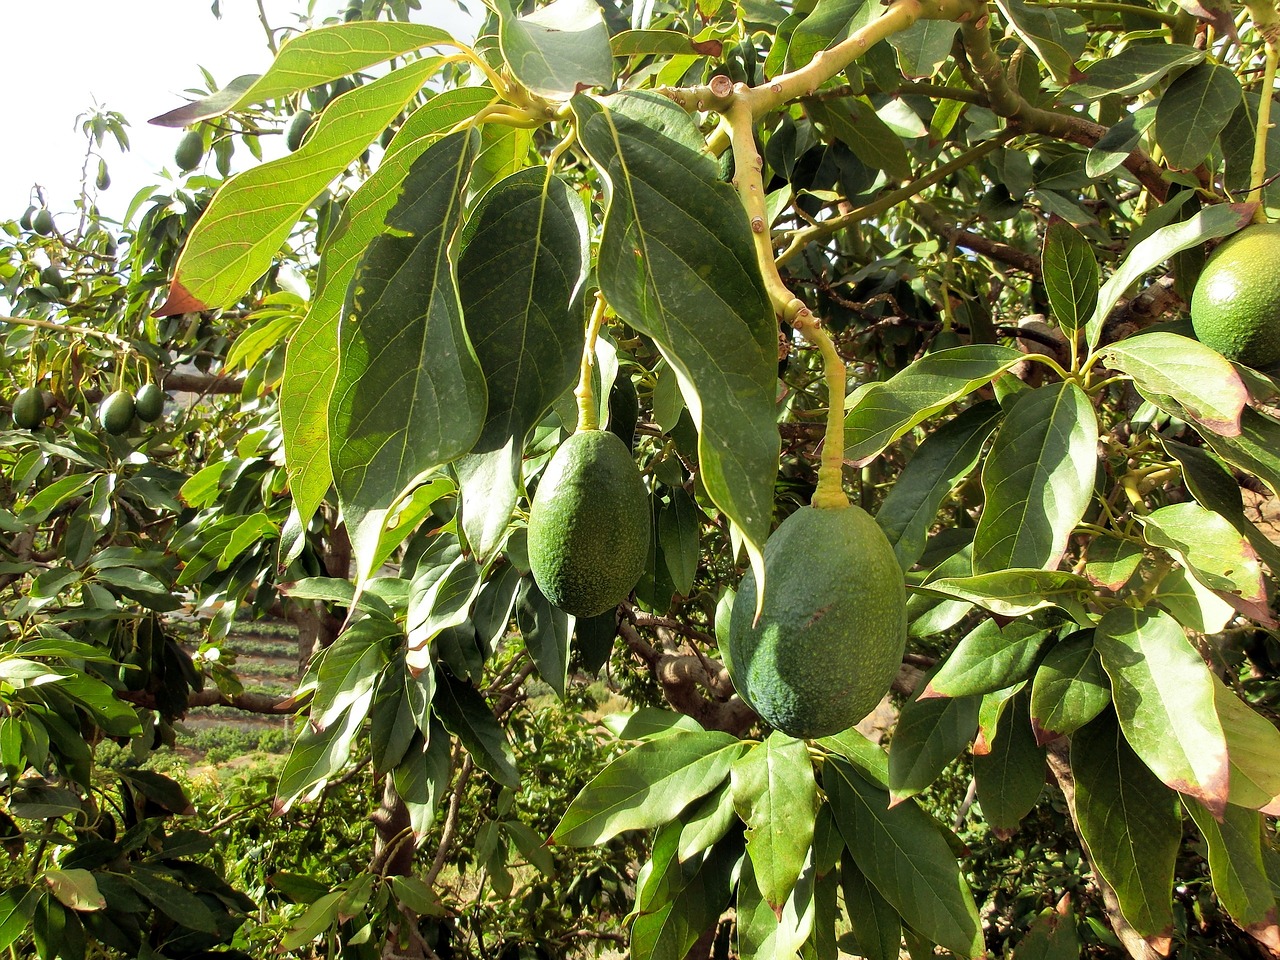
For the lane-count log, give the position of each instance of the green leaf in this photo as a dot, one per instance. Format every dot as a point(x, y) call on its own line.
point(647, 786)
point(1051, 936)
point(1013, 593)
point(1070, 688)
point(439, 598)
point(1118, 142)
point(1037, 479)
point(547, 631)
point(923, 47)
point(946, 456)
point(1159, 246)
point(1207, 386)
point(987, 659)
point(465, 714)
point(251, 216)
point(827, 23)
point(17, 904)
point(663, 43)
point(315, 920)
point(853, 121)
point(1193, 111)
point(678, 263)
point(706, 822)
point(1213, 550)
point(520, 276)
point(409, 394)
point(903, 853)
point(75, 888)
point(311, 359)
point(317, 755)
point(692, 901)
point(881, 412)
point(768, 931)
point(1255, 450)
point(1213, 486)
point(1111, 561)
point(422, 776)
point(348, 670)
point(1253, 752)
point(1070, 274)
point(312, 58)
point(559, 48)
point(1057, 35)
point(1010, 775)
point(1129, 822)
point(775, 795)
point(647, 723)
point(679, 528)
point(174, 901)
point(1163, 694)
point(875, 929)
point(1237, 869)
point(930, 734)
point(1135, 69)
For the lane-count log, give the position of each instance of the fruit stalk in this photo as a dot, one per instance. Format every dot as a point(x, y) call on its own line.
point(588, 413)
point(1258, 172)
point(829, 494)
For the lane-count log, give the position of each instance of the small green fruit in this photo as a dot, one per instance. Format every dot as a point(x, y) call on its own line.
point(29, 408)
point(42, 222)
point(24, 221)
point(297, 129)
point(115, 413)
point(148, 405)
point(589, 525)
point(832, 629)
point(1235, 307)
point(190, 151)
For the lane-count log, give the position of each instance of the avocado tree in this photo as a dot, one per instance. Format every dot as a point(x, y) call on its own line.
point(808, 263)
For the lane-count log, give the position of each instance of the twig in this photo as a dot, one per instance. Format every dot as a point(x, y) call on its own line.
point(451, 822)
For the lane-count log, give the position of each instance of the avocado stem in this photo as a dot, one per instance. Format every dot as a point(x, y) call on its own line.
point(829, 494)
point(588, 413)
point(1258, 172)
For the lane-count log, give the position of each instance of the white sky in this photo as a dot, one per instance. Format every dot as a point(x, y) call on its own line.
point(136, 57)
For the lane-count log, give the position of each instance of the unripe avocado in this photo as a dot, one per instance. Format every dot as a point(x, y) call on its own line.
point(1235, 307)
point(589, 525)
point(42, 222)
point(24, 221)
point(833, 627)
point(298, 128)
point(29, 408)
point(149, 403)
point(190, 151)
point(116, 412)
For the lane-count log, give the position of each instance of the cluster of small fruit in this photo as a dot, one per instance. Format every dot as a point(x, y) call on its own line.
point(116, 412)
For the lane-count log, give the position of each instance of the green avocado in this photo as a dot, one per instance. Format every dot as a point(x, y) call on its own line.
point(115, 413)
point(28, 408)
point(1235, 307)
point(42, 222)
point(190, 151)
point(296, 132)
point(149, 403)
point(833, 627)
point(589, 525)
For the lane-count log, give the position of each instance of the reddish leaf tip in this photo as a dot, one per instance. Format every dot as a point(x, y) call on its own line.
point(180, 300)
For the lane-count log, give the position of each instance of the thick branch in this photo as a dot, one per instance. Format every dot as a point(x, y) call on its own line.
point(248, 702)
point(201, 383)
point(1006, 102)
point(1021, 259)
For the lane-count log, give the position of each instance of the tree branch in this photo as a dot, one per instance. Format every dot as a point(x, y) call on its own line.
point(1020, 259)
point(249, 702)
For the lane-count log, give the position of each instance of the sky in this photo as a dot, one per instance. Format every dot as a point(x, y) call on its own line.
point(135, 57)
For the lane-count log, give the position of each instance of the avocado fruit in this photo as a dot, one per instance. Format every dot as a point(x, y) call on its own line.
point(42, 222)
point(115, 413)
point(832, 629)
point(589, 525)
point(148, 404)
point(1235, 306)
point(190, 151)
point(29, 408)
point(296, 132)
